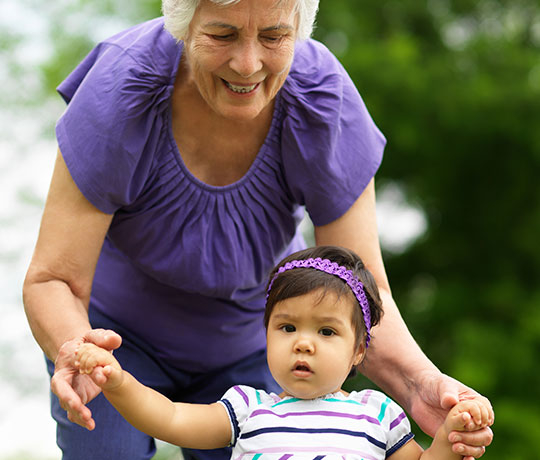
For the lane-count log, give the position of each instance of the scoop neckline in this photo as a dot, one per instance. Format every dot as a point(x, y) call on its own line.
point(263, 151)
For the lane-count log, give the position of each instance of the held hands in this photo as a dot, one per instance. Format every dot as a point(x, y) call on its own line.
point(433, 395)
point(471, 415)
point(75, 390)
point(100, 365)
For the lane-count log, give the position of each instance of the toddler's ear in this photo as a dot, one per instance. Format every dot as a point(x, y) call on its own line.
point(359, 355)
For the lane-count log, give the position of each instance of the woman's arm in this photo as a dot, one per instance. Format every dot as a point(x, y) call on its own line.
point(57, 287)
point(408, 376)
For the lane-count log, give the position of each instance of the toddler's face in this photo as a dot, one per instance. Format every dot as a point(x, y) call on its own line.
point(311, 344)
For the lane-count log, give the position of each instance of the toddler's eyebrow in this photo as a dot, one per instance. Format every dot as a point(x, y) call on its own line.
point(283, 316)
point(321, 319)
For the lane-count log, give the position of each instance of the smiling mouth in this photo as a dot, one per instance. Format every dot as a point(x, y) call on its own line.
point(240, 89)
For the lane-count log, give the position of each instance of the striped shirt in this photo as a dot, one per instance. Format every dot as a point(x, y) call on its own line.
point(365, 425)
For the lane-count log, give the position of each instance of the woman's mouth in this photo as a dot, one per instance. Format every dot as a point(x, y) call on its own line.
point(240, 89)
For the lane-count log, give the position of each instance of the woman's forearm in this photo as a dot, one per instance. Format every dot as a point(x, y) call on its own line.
point(57, 287)
point(394, 360)
point(54, 313)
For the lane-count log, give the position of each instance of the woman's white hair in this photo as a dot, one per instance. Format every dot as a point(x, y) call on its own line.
point(179, 13)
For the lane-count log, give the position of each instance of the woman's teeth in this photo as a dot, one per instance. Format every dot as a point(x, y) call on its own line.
point(240, 89)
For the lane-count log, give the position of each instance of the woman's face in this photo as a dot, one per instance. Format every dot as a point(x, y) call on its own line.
point(238, 56)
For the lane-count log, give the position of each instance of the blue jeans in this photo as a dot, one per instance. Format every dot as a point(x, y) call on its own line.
point(114, 438)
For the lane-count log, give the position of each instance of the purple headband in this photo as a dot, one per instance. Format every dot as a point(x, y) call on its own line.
point(332, 268)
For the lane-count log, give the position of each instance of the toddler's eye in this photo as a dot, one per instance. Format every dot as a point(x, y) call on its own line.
point(326, 332)
point(288, 328)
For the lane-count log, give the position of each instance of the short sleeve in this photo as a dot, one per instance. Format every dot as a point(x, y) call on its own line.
point(107, 135)
point(331, 147)
point(238, 400)
point(393, 420)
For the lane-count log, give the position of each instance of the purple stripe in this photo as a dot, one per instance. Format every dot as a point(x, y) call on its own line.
point(285, 457)
point(397, 420)
point(297, 449)
point(367, 394)
point(320, 412)
point(244, 396)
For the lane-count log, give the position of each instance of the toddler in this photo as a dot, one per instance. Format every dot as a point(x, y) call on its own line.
point(321, 305)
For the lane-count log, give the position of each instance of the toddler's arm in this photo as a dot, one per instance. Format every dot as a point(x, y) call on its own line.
point(468, 415)
point(199, 426)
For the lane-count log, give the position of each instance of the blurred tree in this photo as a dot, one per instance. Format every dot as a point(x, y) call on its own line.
point(455, 87)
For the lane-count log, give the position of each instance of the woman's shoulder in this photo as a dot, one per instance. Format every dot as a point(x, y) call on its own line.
point(145, 52)
point(318, 87)
point(312, 58)
point(147, 43)
point(315, 72)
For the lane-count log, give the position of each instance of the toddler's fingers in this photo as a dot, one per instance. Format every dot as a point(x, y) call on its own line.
point(458, 420)
point(475, 409)
point(90, 363)
point(107, 371)
point(487, 415)
point(98, 375)
point(490, 414)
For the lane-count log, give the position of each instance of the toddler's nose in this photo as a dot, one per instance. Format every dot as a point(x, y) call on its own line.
point(304, 345)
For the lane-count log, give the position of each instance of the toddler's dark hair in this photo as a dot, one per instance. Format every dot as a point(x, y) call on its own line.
point(300, 281)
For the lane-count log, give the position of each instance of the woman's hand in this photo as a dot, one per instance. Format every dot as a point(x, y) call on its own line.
point(435, 395)
point(75, 390)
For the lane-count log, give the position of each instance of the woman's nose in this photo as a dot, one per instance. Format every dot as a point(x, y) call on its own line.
point(246, 60)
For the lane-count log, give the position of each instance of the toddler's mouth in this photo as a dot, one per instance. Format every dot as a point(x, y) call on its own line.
point(302, 369)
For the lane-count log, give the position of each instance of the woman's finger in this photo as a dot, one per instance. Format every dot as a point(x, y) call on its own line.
point(473, 439)
point(104, 338)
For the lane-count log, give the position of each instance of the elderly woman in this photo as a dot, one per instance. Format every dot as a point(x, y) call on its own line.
point(188, 150)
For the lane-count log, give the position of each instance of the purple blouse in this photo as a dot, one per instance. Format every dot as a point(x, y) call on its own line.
point(184, 263)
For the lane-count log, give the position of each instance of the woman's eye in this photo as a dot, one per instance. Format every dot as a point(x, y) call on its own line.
point(326, 332)
point(288, 328)
point(222, 37)
point(272, 39)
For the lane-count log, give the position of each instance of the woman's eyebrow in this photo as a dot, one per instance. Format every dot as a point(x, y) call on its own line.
point(223, 25)
point(278, 27)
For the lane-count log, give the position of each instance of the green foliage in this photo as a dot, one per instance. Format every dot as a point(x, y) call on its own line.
point(454, 85)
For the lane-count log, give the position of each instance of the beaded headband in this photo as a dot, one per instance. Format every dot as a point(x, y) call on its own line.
point(332, 268)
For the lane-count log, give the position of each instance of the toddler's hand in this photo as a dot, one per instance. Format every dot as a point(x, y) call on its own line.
point(100, 365)
point(469, 415)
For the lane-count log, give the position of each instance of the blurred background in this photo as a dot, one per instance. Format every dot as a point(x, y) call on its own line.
point(455, 87)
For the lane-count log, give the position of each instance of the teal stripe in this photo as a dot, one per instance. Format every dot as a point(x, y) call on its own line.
point(286, 401)
point(383, 409)
point(258, 399)
point(348, 401)
point(257, 456)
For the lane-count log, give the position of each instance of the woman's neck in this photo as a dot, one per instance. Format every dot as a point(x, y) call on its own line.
point(217, 150)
